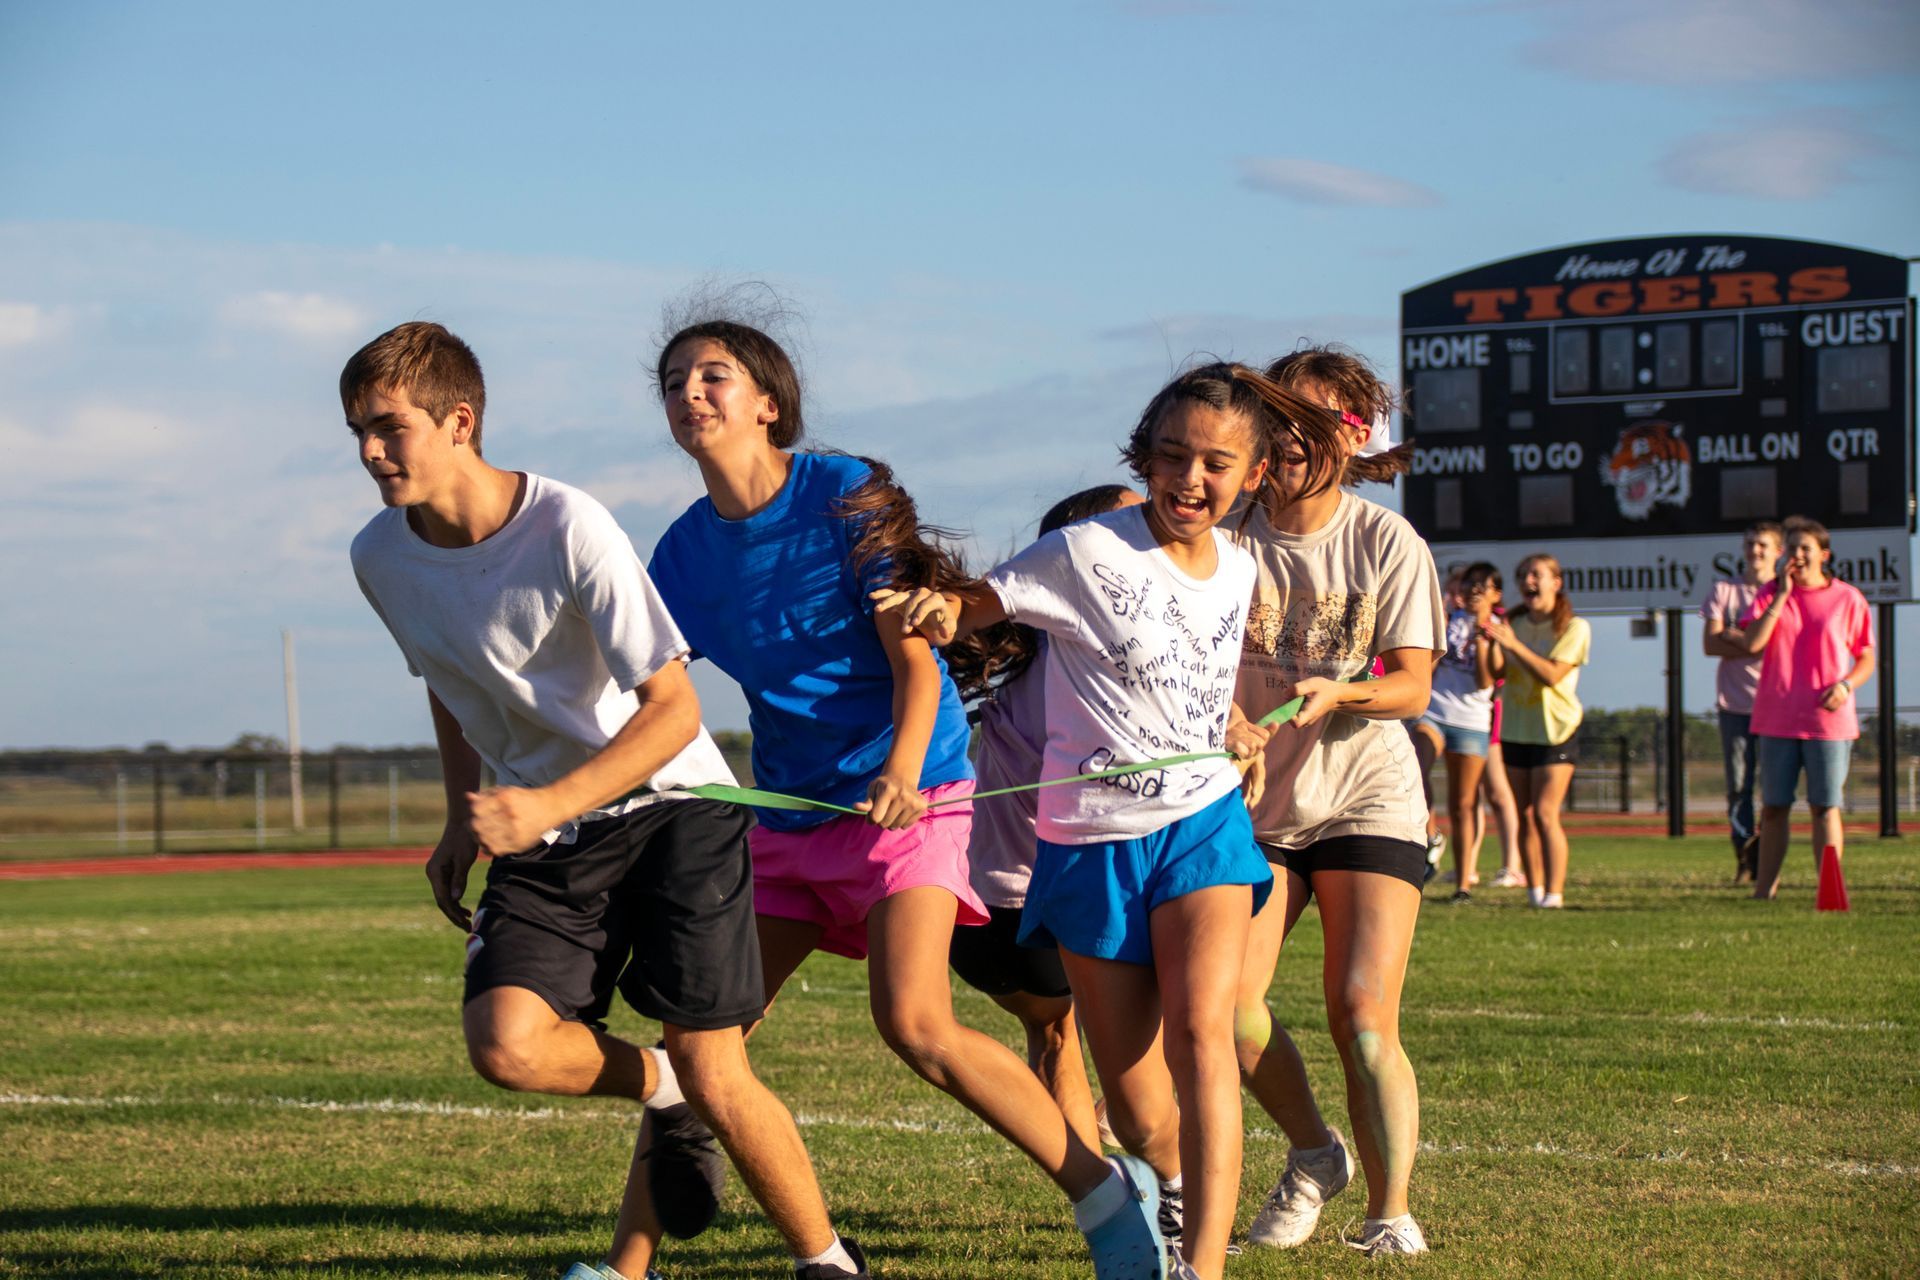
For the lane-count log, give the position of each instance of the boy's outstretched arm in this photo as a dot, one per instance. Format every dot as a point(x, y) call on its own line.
point(508, 820)
point(453, 856)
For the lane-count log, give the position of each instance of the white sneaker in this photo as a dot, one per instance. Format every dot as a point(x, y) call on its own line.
point(1552, 901)
point(1311, 1179)
point(1381, 1237)
point(1507, 880)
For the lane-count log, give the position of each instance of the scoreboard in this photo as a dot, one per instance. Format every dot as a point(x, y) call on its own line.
point(1631, 406)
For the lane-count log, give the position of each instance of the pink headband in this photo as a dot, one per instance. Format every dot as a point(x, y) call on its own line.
point(1380, 433)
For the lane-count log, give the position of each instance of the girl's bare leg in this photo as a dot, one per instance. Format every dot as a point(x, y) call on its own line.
point(1270, 1064)
point(909, 935)
point(1053, 1054)
point(1505, 815)
point(1550, 784)
point(1369, 919)
point(1463, 808)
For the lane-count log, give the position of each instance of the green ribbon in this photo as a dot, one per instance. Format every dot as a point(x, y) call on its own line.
point(730, 794)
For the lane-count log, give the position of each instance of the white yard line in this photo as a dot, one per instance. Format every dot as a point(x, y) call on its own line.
point(1413, 1009)
point(524, 1115)
point(1694, 1019)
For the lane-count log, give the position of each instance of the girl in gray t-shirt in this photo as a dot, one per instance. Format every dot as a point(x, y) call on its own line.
point(1342, 582)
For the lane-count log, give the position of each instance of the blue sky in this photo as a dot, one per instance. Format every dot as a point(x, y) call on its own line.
point(1003, 226)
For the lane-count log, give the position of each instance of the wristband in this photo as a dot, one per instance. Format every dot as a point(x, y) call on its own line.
point(1846, 684)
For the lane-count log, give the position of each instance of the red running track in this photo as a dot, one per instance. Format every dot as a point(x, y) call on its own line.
point(1652, 826)
point(170, 864)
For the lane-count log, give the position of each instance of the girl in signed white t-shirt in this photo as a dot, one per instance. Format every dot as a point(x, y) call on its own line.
point(1147, 882)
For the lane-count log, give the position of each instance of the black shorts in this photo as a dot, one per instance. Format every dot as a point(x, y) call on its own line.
point(658, 902)
point(1401, 859)
point(990, 960)
point(1538, 755)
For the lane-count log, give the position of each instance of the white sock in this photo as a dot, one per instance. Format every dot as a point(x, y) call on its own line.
point(1536, 895)
point(666, 1089)
point(1552, 900)
point(1101, 1203)
point(1405, 1219)
point(1172, 1184)
point(836, 1253)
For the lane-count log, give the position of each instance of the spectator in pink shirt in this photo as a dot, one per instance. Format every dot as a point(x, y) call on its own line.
point(1815, 637)
point(1737, 678)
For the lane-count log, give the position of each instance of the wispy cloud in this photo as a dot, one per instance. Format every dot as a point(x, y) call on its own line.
point(205, 485)
point(307, 316)
point(1236, 337)
point(660, 486)
point(74, 447)
point(1693, 42)
point(25, 322)
point(1322, 182)
point(1797, 156)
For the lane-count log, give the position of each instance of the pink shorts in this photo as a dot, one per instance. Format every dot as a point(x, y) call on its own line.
point(833, 874)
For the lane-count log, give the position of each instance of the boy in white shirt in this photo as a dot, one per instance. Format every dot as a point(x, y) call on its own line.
point(549, 657)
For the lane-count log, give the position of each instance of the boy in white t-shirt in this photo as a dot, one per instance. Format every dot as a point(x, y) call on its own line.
point(549, 658)
point(1735, 682)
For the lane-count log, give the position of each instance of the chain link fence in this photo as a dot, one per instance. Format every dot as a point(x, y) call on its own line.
point(68, 804)
point(77, 803)
point(1627, 772)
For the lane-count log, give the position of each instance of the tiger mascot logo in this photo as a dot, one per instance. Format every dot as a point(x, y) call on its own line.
point(1651, 465)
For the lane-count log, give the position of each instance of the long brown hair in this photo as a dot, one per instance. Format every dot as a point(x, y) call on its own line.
point(887, 529)
point(1346, 376)
point(1562, 607)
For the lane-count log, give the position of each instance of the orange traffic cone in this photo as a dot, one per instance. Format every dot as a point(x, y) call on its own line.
point(1833, 885)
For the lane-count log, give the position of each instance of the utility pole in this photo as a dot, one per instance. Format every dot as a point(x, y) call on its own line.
point(293, 728)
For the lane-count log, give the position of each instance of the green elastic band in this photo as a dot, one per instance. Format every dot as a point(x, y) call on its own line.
point(759, 799)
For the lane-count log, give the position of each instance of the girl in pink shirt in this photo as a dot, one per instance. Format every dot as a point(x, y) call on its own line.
point(1815, 635)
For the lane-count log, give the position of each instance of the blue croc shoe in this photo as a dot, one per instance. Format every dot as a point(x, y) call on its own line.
point(1128, 1245)
point(588, 1271)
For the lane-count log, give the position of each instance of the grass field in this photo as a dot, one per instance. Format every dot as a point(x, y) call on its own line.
point(258, 1074)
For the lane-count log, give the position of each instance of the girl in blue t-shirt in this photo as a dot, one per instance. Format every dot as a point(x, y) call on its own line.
point(769, 576)
point(1148, 882)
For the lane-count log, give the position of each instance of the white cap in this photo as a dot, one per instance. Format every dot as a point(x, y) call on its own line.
point(1379, 436)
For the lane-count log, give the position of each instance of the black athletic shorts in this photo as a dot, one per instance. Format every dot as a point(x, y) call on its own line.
point(990, 960)
point(657, 902)
point(1538, 755)
point(1401, 859)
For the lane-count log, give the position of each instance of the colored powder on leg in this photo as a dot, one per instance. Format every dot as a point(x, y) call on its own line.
point(1253, 1025)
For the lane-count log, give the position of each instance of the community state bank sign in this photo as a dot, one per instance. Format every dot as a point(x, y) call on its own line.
point(1631, 406)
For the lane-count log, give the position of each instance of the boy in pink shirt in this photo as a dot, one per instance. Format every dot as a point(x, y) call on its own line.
point(1815, 635)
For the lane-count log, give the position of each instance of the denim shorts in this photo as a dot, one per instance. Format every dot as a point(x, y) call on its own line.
point(1824, 759)
point(1463, 742)
point(1094, 899)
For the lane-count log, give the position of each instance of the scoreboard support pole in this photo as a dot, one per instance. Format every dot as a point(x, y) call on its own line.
point(1676, 727)
point(1889, 727)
